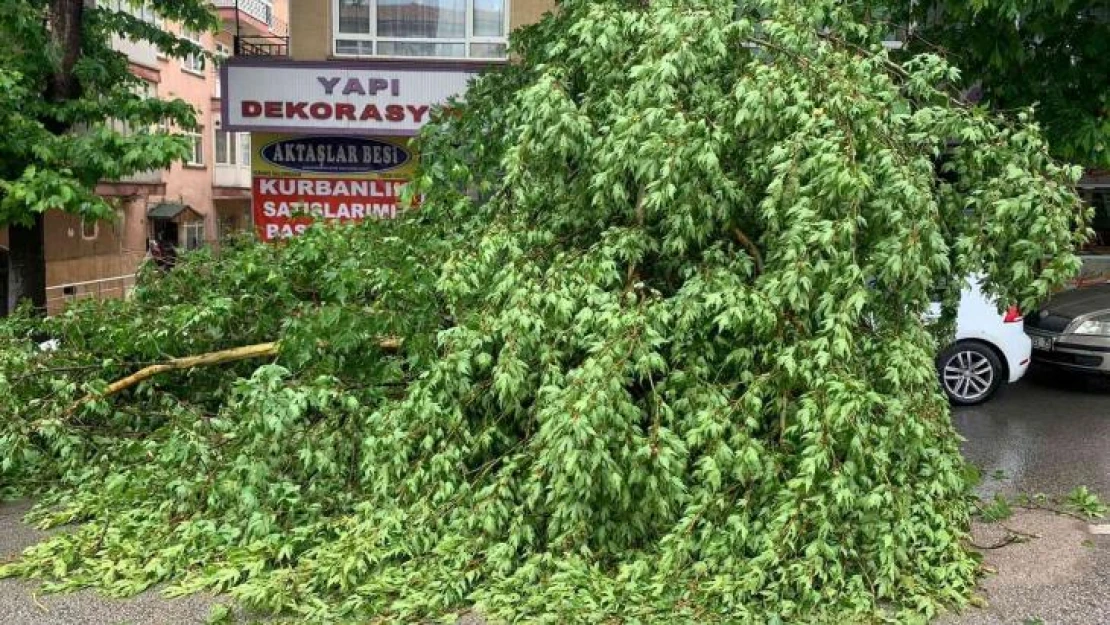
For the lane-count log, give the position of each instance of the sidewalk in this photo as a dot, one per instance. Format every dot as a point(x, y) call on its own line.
point(1061, 578)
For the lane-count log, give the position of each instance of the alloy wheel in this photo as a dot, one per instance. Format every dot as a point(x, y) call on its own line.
point(968, 376)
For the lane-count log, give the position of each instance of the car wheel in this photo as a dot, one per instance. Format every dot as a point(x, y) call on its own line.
point(970, 373)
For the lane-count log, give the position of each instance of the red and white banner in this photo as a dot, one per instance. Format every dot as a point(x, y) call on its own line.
point(285, 207)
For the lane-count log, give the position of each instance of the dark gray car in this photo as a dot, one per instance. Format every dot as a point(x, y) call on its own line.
point(1072, 330)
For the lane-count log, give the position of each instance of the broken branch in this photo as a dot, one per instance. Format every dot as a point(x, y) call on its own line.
point(262, 350)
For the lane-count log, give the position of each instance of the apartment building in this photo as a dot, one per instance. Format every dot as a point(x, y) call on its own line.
point(191, 204)
point(331, 118)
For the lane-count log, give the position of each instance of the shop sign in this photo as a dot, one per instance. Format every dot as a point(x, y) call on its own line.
point(298, 180)
point(365, 98)
point(334, 155)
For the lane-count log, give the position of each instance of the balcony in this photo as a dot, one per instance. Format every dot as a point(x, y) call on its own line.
point(252, 17)
point(229, 178)
point(153, 176)
point(246, 45)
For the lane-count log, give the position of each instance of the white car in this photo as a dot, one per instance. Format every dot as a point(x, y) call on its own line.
point(990, 348)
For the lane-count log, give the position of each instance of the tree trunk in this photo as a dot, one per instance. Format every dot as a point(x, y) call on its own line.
point(27, 279)
point(27, 255)
point(66, 17)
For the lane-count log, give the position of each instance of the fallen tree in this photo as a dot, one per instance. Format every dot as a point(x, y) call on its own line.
point(664, 352)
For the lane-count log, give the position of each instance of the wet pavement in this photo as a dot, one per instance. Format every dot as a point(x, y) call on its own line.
point(1047, 434)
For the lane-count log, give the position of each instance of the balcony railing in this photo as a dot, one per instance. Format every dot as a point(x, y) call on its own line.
point(260, 10)
point(153, 176)
point(246, 45)
point(232, 176)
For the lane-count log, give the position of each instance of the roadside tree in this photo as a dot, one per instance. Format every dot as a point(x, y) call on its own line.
point(1015, 54)
point(65, 97)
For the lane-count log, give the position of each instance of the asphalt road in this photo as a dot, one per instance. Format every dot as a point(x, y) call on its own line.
point(22, 603)
point(1046, 434)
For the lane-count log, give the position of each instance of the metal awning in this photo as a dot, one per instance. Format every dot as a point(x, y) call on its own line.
point(172, 211)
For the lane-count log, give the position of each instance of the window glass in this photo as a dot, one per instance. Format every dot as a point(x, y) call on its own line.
point(221, 147)
point(194, 235)
point(196, 155)
point(193, 62)
point(426, 20)
point(489, 18)
point(421, 28)
point(347, 46)
point(228, 226)
point(245, 148)
point(488, 50)
point(222, 54)
point(226, 151)
point(354, 16)
point(409, 48)
point(143, 12)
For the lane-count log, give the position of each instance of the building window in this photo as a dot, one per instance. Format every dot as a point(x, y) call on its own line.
point(232, 148)
point(143, 12)
point(90, 229)
point(228, 227)
point(422, 28)
point(222, 54)
point(194, 62)
point(245, 148)
point(196, 149)
point(226, 147)
point(145, 90)
point(193, 234)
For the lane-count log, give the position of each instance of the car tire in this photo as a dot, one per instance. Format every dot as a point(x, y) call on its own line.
point(970, 373)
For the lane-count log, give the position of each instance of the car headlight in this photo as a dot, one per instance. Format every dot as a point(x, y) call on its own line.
point(1095, 326)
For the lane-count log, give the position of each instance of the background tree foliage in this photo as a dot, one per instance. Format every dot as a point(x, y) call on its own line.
point(62, 85)
point(1055, 55)
point(664, 353)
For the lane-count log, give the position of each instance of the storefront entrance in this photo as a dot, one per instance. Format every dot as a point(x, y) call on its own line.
point(165, 231)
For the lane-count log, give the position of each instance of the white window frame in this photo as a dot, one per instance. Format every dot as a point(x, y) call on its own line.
point(198, 230)
point(466, 40)
point(143, 12)
point(231, 146)
point(223, 53)
point(147, 91)
point(197, 139)
point(246, 150)
point(194, 64)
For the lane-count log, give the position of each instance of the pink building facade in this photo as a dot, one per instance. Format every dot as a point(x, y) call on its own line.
point(192, 204)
